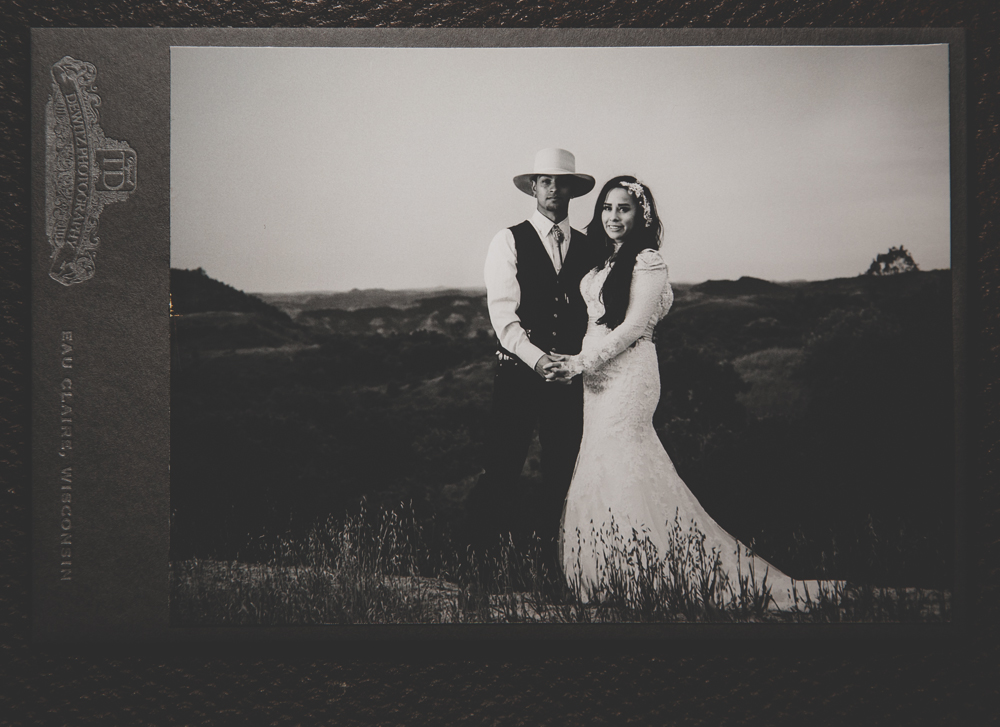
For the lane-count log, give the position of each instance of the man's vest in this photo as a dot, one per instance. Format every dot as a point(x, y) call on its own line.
point(552, 311)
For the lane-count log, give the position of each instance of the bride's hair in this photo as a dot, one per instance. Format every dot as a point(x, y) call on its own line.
point(645, 235)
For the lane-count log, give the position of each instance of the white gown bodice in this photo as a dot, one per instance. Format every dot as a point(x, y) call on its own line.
point(650, 298)
point(646, 261)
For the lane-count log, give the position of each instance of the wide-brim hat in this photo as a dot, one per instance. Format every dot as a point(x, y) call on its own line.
point(556, 163)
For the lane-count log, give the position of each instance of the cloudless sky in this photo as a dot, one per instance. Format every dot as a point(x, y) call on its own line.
point(312, 169)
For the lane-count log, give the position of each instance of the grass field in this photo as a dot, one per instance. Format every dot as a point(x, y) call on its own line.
point(381, 568)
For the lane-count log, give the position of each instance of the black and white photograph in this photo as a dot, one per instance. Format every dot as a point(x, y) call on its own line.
point(560, 335)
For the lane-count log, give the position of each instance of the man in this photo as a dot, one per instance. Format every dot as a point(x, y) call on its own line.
point(533, 272)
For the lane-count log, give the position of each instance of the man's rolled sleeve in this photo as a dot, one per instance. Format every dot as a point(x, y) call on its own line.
point(503, 295)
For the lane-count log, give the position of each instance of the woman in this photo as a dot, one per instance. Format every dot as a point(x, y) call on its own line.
point(628, 517)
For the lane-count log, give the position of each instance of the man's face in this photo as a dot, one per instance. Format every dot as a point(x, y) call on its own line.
point(552, 195)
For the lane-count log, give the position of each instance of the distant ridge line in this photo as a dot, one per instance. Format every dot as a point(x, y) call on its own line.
point(364, 298)
point(746, 285)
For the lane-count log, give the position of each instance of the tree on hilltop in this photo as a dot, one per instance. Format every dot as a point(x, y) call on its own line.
point(897, 260)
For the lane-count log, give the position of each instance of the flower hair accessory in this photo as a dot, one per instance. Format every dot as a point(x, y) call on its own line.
point(639, 192)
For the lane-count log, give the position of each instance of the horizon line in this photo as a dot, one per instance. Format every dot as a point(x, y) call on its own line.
point(483, 287)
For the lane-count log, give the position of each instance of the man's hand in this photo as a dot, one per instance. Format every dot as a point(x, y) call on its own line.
point(551, 368)
point(543, 365)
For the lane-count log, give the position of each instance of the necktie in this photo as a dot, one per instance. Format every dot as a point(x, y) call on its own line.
point(558, 237)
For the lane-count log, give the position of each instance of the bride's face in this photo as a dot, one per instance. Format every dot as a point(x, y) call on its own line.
point(619, 214)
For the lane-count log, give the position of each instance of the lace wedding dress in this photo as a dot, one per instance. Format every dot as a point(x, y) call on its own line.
point(628, 517)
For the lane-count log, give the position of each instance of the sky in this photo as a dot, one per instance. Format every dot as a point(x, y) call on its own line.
point(327, 169)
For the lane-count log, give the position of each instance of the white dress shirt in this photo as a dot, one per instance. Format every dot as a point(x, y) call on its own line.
point(503, 294)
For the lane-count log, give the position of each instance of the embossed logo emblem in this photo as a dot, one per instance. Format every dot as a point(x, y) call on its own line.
point(84, 170)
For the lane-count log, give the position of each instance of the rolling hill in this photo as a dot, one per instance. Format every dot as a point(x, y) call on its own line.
point(803, 415)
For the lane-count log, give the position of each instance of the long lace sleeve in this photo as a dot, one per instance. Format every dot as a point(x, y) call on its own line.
point(649, 280)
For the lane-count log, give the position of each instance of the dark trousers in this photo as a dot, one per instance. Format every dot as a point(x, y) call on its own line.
point(523, 400)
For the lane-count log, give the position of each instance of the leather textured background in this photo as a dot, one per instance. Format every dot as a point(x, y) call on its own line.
point(810, 683)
